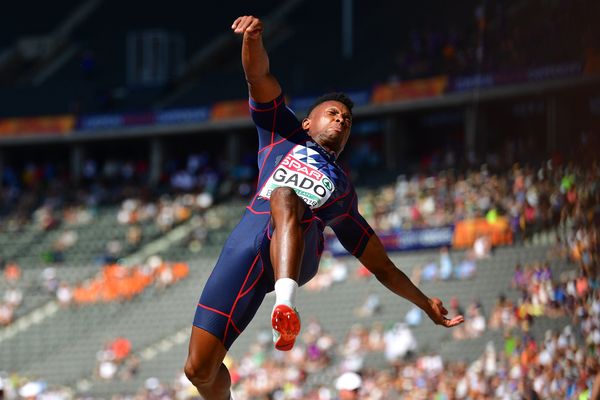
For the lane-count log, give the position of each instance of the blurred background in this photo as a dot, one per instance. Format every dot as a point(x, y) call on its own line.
point(127, 155)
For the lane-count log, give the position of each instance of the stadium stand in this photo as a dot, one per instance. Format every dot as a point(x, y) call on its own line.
point(476, 132)
point(73, 335)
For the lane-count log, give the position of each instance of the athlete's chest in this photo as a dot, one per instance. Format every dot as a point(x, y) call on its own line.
point(314, 176)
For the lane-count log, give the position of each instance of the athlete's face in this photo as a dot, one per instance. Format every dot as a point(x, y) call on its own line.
point(329, 125)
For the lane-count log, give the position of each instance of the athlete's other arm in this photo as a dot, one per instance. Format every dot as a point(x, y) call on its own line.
point(263, 86)
point(376, 260)
point(596, 388)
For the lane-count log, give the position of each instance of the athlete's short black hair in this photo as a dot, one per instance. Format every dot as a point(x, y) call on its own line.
point(334, 96)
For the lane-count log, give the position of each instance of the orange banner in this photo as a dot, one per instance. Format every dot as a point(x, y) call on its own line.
point(592, 62)
point(465, 232)
point(48, 125)
point(415, 89)
point(230, 109)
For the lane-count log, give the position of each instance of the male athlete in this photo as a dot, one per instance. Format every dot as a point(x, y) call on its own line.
point(278, 243)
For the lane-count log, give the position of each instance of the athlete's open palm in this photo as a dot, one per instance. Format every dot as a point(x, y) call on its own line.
point(438, 313)
point(248, 25)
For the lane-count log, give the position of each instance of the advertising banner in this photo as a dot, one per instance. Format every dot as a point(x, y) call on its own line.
point(166, 117)
point(45, 125)
point(403, 240)
point(183, 115)
point(100, 121)
point(465, 232)
point(230, 109)
point(410, 90)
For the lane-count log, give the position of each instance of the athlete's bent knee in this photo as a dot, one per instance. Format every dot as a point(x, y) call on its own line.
point(199, 373)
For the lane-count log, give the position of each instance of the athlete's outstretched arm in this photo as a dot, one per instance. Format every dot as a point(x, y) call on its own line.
point(375, 258)
point(263, 86)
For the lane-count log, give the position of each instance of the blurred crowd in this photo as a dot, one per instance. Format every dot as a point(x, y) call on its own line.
point(44, 192)
point(116, 360)
point(561, 199)
point(559, 364)
point(529, 199)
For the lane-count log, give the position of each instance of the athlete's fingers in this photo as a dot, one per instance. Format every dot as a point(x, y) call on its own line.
point(247, 22)
point(236, 23)
point(255, 26)
point(239, 21)
point(241, 24)
point(449, 323)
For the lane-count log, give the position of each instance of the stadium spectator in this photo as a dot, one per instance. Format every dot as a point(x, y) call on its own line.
point(348, 386)
point(64, 294)
point(12, 273)
point(370, 306)
point(476, 323)
point(6, 314)
point(49, 279)
point(399, 343)
point(413, 317)
point(446, 268)
point(482, 247)
point(120, 348)
point(467, 268)
point(13, 297)
point(503, 314)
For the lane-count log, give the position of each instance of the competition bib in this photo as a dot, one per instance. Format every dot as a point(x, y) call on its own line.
point(299, 171)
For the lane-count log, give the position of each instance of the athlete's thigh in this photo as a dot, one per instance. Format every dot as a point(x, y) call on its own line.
point(313, 246)
point(235, 288)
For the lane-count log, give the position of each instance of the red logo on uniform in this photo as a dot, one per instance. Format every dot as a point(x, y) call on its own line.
point(297, 166)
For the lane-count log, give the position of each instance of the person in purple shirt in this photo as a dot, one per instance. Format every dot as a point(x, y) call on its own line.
point(278, 243)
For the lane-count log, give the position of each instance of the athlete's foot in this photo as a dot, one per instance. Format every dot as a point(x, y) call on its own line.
point(285, 321)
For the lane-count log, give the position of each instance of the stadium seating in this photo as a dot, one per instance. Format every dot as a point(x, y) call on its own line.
point(334, 305)
point(62, 346)
point(395, 44)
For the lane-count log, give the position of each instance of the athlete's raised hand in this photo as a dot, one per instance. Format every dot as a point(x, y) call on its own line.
point(263, 86)
point(248, 25)
point(437, 312)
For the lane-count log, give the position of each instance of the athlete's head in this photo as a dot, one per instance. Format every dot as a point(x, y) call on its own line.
point(329, 120)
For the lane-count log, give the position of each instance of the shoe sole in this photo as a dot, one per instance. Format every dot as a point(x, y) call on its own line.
point(285, 320)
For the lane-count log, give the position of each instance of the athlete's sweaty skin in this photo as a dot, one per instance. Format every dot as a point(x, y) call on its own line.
point(280, 235)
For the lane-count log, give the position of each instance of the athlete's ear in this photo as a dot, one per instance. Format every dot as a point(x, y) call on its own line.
point(305, 124)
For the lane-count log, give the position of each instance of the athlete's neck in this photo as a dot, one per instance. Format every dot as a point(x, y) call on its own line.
point(333, 153)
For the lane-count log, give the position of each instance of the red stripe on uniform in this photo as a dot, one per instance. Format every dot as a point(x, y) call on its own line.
point(257, 212)
point(358, 244)
point(213, 310)
point(239, 297)
point(236, 328)
point(280, 140)
point(275, 105)
point(262, 269)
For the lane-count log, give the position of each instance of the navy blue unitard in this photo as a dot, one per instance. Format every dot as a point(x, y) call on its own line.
point(243, 275)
